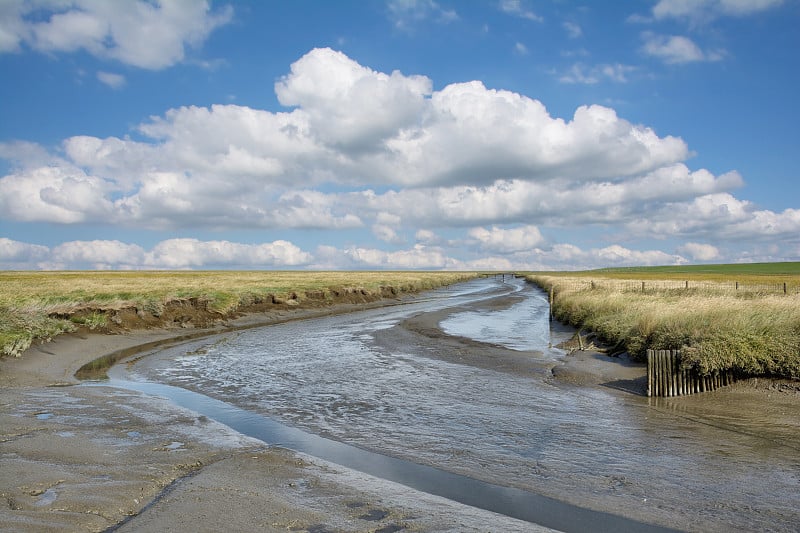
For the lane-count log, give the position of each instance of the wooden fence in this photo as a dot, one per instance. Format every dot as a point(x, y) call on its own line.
point(666, 378)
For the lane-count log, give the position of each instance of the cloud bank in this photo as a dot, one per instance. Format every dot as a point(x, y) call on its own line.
point(356, 148)
point(138, 33)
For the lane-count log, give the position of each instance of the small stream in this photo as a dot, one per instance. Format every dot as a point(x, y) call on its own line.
point(519, 445)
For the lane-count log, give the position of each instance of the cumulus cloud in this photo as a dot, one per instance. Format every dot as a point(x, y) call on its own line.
point(349, 105)
point(417, 257)
point(387, 234)
point(720, 216)
point(573, 30)
point(699, 252)
point(168, 254)
point(589, 75)
point(98, 254)
point(142, 34)
point(350, 126)
point(677, 49)
point(518, 9)
point(115, 81)
point(20, 255)
point(507, 240)
point(406, 13)
point(568, 256)
point(357, 148)
point(709, 9)
point(193, 253)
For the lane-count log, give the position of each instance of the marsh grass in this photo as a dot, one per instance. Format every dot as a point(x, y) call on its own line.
point(754, 332)
point(40, 305)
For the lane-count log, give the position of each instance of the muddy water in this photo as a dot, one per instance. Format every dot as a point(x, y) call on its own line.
point(712, 463)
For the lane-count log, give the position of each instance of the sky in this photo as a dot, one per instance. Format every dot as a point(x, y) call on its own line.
point(398, 134)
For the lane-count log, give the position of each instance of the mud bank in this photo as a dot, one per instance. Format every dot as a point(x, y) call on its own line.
point(76, 458)
point(90, 458)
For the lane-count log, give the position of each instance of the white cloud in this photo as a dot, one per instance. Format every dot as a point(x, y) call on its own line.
point(20, 255)
point(552, 203)
point(709, 9)
point(353, 126)
point(699, 252)
point(425, 236)
point(589, 75)
point(192, 253)
point(521, 49)
point(62, 195)
point(406, 13)
point(138, 33)
point(168, 254)
point(351, 106)
point(573, 30)
point(517, 9)
point(417, 257)
point(719, 216)
point(115, 81)
point(441, 160)
point(387, 234)
point(567, 256)
point(676, 49)
point(507, 240)
point(98, 254)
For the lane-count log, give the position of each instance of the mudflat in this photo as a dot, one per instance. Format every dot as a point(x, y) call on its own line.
point(89, 457)
point(78, 457)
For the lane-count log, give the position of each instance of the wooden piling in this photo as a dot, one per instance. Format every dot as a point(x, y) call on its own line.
point(666, 377)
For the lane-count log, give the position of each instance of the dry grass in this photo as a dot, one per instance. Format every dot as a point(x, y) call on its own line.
point(755, 332)
point(33, 304)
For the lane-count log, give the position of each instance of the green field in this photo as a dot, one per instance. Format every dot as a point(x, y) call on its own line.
point(724, 271)
point(740, 317)
point(37, 306)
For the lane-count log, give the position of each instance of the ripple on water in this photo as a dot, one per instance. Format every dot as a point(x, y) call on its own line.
point(588, 445)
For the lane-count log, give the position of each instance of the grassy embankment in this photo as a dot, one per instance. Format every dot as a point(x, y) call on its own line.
point(38, 306)
point(720, 316)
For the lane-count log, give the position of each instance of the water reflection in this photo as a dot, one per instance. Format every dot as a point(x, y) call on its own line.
point(593, 447)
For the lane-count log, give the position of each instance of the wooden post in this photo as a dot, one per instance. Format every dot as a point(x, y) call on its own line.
point(737, 285)
point(687, 284)
point(784, 287)
point(649, 373)
point(643, 286)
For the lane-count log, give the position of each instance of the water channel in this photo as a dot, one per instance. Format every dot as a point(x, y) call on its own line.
point(346, 389)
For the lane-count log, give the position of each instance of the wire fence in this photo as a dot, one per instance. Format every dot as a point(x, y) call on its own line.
point(659, 286)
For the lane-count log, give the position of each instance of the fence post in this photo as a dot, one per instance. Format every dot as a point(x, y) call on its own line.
point(643, 286)
point(784, 287)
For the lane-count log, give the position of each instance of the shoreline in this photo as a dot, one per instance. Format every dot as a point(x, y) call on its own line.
point(95, 457)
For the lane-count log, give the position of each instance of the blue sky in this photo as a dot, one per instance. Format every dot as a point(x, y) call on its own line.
point(397, 134)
